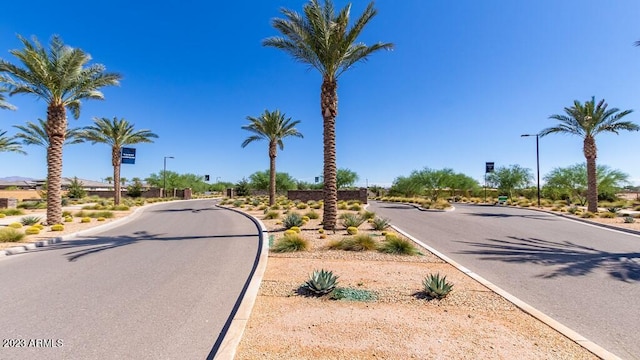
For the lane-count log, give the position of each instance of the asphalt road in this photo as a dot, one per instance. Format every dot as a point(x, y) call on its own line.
point(159, 287)
point(585, 277)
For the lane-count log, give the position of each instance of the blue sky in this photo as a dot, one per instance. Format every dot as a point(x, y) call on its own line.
point(464, 81)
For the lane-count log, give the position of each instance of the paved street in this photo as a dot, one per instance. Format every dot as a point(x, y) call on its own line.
point(587, 278)
point(159, 287)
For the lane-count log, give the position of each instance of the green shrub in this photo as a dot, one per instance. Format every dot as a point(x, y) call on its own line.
point(342, 206)
point(588, 215)
point(355, 207)
point(2, 215)
point(10, 235)
point(436, 286)
point(396, 245)
point(367, 215)
point(380, 224)
point(15, 225)
point(292, 219)
point(32, 204)
point(573, 210)
point(30, 220)
point(11, 212)
point(351, 220)
point(357, 243)
point(271, 215)
point(85, 219)
point(68, 219)
point(290, 232)
point(351, 294)
point(101, 219)
point(32, 230)
point(352, 230)
point(120, 207)
point(57, 227)
point(301, 206)
point(66, 213)
point(321, 282)
point(238, 203)
point(312, 215)
point(629, 220)
point(290, 243)
point(296, 229)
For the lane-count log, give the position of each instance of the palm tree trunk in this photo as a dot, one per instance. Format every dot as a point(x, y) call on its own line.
point(56, 129)
point(115, 161)
point(590, 153)
point(329, 107)
point(272, 172)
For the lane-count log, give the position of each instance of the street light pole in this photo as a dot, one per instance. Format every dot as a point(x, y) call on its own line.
point(537, 161)
point(164, 176)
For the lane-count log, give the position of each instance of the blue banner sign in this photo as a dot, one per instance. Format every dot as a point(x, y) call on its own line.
point(128, 155)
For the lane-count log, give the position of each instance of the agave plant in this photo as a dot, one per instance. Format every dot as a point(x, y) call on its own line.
point(436, 286)
point(321, 282)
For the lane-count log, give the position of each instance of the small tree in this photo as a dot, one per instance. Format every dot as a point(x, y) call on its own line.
point(76, 189)
point(507, 179)
point(346, 178)
point(135, 189)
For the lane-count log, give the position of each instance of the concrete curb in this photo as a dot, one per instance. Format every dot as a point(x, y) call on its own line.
point(564, 330)
point(233, 336)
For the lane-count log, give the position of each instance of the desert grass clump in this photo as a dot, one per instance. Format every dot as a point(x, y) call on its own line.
point(32, 230)
point(270, 215)
point(68, 219)
point(100, 219)
point(301, 206)
point(342, 206)
point(587, 215)
point(30, 220)
point(57, 227)
point(292, 219)
point(355, 207)
point(437, 287)
point(380, 224)
point(85, 219)
point(15, 225)
point(321, 282)
point(397, 245)
point(296, 229)
point(290, 243)
point(360, 242)
point(11, 235)
point(11, 212)
point(607, 215)
point(368, 215)
point(351, 220)
point(2, 215)
point(312, 215)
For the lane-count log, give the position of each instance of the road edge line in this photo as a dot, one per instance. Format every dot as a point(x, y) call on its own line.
point(557, 326)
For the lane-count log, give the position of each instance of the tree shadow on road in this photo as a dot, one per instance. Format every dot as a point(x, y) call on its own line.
point(97, 244)
point(566, 258)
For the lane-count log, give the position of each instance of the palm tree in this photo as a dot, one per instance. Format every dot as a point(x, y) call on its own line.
point(321, 38)
point(36, 134)
point(9, 144)
point(117, 133)
point(587, 120)
point(271, 126)
point(109, 179)
point(62, 78)
point(3, 104)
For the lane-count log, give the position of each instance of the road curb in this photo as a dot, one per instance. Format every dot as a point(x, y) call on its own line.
point(233, 335)
point(562, 329)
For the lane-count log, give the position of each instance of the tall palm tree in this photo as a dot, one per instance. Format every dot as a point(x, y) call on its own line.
point(588, 120)
point(3, 104)
point(322, 39)
point(271, 126)
point(117, 133)
point(9, 144)
point(62, 77)
point(36, 134)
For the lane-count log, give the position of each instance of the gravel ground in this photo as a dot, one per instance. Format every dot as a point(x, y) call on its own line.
point(401, 323)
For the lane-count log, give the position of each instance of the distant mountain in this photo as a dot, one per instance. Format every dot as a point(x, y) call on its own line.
point(15, 178)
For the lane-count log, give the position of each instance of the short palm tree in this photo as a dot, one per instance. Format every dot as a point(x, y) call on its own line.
point(9, 144)
point(117, 133)
point(62, 77)
point(587, 120)
point(271, 126)
point(36, 134)
point(322, 39)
